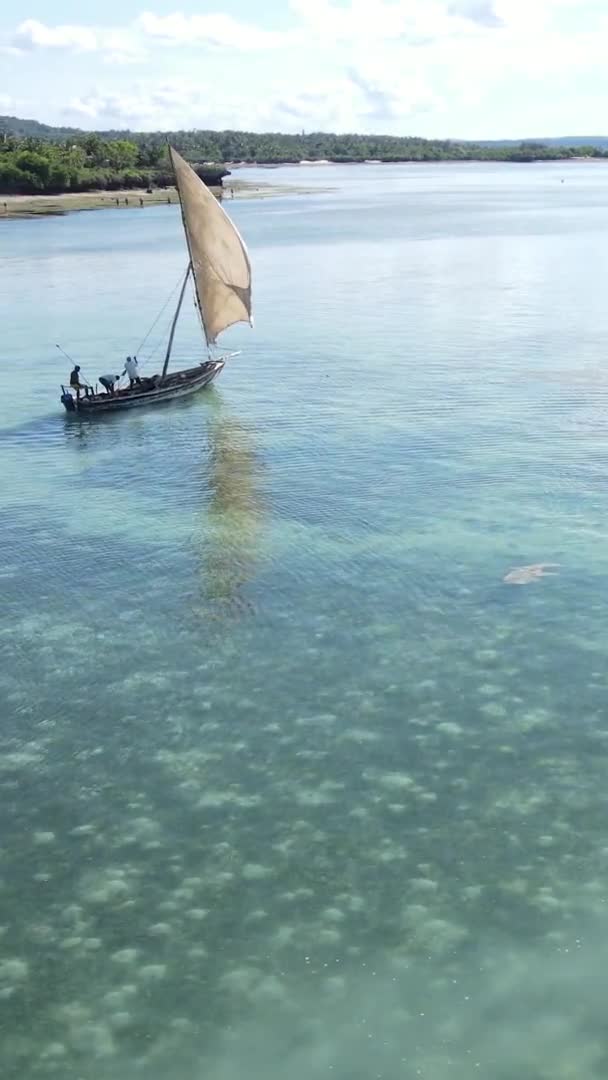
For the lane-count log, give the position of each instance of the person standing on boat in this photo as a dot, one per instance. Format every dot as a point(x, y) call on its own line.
point(75, 382)
point(107, 381)
point(132, 370)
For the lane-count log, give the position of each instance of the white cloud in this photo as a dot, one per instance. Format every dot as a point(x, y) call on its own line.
point(425, 22)
point(129, 43)
point(437, 55)
point(7, 104)
point(117, 45)
point(221, 31)
point(442, 66)
point(355, 24)
point(327, 108)
point(121, 47)
point(525, 15)
point(478, 11)
point(329, 22)
point(380, 96)
point(367, 98)
point(32, 34)
point(112, 108)
point(418, 22)
point(151, 106)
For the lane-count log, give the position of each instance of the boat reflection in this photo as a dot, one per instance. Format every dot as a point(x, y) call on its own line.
point(232, 518)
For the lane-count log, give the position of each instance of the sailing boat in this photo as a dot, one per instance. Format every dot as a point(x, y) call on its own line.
point(221, 274)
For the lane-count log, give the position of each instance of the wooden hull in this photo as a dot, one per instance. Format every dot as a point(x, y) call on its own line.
point(176, 385)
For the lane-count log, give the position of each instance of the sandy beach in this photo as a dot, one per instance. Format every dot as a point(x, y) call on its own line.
point(21, 206)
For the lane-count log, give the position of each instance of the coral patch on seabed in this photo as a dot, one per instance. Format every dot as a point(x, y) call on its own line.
point(523, 575)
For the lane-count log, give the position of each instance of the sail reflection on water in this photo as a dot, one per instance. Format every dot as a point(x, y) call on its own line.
point(232, 521)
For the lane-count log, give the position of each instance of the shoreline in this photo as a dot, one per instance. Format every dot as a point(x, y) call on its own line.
point(28, 206)
point(325, 162)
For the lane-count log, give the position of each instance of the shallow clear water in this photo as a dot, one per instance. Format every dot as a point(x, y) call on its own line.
point(292, 783)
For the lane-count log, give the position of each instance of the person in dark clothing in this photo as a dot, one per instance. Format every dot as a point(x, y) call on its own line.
point(75, 382)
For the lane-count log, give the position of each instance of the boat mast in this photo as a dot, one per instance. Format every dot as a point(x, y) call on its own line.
point(174, 323)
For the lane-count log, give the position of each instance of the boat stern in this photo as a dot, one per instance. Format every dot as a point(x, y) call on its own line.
point(67, 400)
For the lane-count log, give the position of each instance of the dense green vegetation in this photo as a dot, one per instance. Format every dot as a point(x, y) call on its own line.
point(275, 148)
point(38, 159)
point(86, 162)
point(13, 125)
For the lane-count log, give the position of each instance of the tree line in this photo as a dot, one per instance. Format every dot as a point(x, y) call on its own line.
point(59, 160)
point(276, 148)
point(86, 162)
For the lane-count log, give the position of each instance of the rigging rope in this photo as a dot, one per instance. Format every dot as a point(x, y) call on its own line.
point(165, 305)
point(159, 342)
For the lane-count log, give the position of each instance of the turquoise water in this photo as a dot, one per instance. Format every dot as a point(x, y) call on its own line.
point(292, 783)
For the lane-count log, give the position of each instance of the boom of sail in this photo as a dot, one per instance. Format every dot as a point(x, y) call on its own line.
point(221, 270)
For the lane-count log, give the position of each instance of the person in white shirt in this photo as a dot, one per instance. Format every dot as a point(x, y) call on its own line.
point(132, 370)
point(107, 381)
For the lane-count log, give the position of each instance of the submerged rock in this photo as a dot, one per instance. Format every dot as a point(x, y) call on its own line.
point(523, 575)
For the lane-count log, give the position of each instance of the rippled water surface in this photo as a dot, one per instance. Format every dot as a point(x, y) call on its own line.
point(292, 784)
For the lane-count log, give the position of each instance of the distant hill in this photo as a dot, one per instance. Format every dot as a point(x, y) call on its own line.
point(600, 141)
point(32, 129)
point(14, 125)
point(569, 142)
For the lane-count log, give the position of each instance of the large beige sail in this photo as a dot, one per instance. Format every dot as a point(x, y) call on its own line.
point(220, 263)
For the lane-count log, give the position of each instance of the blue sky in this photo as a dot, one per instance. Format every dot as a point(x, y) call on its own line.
point(437, 68)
